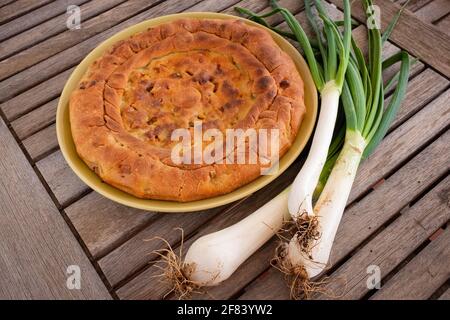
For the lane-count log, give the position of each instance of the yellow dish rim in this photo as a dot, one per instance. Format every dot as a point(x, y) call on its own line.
point(68, 150)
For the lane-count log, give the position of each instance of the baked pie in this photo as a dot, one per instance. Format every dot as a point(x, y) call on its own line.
point(223, 74)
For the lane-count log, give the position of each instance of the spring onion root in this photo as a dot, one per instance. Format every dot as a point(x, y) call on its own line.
point(213, 258)
point(330, 169)
point(330, 207)
point(349, 86)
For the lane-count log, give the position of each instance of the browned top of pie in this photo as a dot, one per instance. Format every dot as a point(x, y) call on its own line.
point(223, 73)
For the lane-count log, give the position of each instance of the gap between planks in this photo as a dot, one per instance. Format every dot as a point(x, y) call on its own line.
point(35, 17)
point(54, 165)
point(135, 288)
point(273, 279)
point(417, 37)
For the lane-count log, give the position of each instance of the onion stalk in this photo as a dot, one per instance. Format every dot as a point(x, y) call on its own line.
point(329, 79)
point(331, 171)
point(367, 121)
point(213, 258)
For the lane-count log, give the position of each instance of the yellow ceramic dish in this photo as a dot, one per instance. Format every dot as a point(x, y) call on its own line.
point(92, 180)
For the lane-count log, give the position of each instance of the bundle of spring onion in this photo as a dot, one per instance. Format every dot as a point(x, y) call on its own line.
point(343, 77)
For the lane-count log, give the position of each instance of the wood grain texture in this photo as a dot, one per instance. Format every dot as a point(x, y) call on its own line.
point(63, 182)
point(212, 6)
point(249, 270)
point(389, 49)
point(421, 90)
point(37, 246)
point(369, 214)
point(35, 17)
point(35, 120)
point(271, 285)
point(147, 284)
point(414, 5)
point(424, 92)
point(424, 274)
point(445, 295)
point(36, 96)
point(433, 11)
point(48, 28)
point(74, 54)
point(444, 25)
point(397, 146)
point(114, 234)
point(394, 243)
point(419, 38)
point(44, 115)
point(5, 2)
point(19, 7)
point(68, 38)
point(41, 143)
point(137, 252)
point(104, 224)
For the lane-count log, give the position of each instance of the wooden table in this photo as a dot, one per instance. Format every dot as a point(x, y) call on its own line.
point(396, 218)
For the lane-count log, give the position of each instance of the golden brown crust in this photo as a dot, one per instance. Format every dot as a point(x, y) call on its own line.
point(222, 72)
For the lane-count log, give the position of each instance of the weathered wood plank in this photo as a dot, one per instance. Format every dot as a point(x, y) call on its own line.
point(69, 169)
point(211, 5)
point(103, 224)
point(18, 8)
point(35, 120)
point(72, 55)
point(35, 17)
point(444, 25)
point(146, 285)
point(271, 285)
point(395, 243)
point(70, 38)
point(423, 274)
point(45, 115)
point(419, 38)
point(421, 90)
point(414, 5)
point(243, 276)
point(90, 243)
point(391, 196)
point(137, 252)
point(445, 295)
point(294, 6)
point(255, 6)
point(37, 246)
point(5, 2)
point(366, 216)
point(397, 146)
point(433, 11)
point(61, 179)
point(389, 49)
point(41, 142)
point(36, 96)
point(47, 28)
point(69, 57)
